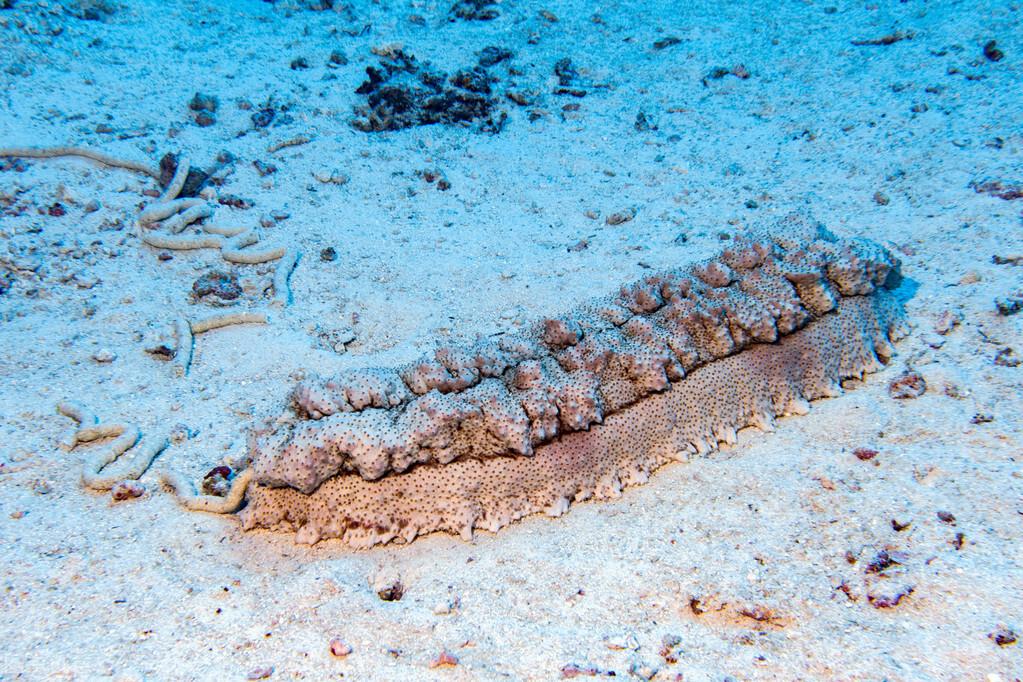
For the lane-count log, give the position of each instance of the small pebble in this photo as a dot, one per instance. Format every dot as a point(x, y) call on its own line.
point(388, 586)
point(331, 177)
point(338, 648)
point(217, 481)
point(204, 119)
point(444, 660)
point(203, 102)
point(219, 284)
point(260, 673)
point(126, 490)
point(992, 52)
point(328, 255)
point(865, 454)
point(621, 217)
point(41, 487)
point(642, 670)
point(1009, 305)
point(103, 356)
point(969, 278)
point(909, 385)
point(1003, 636)
point(447, 607)
point(622, 642)
point(947, 321)
point(1007, 357)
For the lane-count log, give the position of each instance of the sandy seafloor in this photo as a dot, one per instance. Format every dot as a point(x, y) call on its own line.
point(142, 589)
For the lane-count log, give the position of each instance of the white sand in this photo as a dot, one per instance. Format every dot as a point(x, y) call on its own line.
point(144, 590)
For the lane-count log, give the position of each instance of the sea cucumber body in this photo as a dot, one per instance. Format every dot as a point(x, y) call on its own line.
point(584, 404)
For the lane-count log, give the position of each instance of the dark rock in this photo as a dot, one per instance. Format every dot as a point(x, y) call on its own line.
point(222, 285)
point(91, 10)
point(328, 255)
point(263, 117)
point(264, 169)
point(643, 124)
point(719, 72)
point(474, 10)
point(1010, 305)
point(403, 92)
point(391, 591)
point(491, 55)
point(1007, 357)
point(474, 80)
point(909, 385)
point(996, 188)
point(203, 102)
point(1003, 636)
point(992, 52)
point(565, 71)
point(194, 182)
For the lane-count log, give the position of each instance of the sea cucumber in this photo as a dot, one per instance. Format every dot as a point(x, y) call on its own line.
point(584, 404)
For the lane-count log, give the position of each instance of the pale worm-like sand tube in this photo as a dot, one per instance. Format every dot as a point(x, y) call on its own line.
point(179, 243)
point(164, 209)
point(282, 292)
point(176, 224)
point(185, 493)
point(233, 250)
point(82, 417)
point(232, 242)
point(82, 152)
point(184, 331)
point(178, 181)
point(583, 404)
point(183, 352)
point(95, 472)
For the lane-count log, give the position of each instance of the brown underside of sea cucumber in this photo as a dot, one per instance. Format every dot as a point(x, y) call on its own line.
point(584, 404)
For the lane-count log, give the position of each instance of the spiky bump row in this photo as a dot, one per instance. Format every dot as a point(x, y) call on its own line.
point(694, 416)
point(509, 397)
